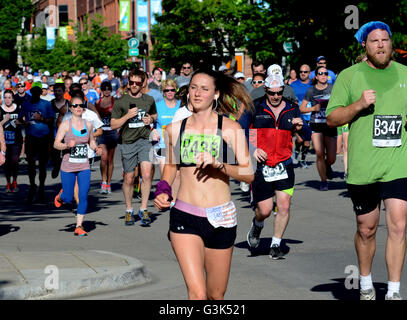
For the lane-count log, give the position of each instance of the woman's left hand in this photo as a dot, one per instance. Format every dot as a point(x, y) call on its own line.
point(98, 151)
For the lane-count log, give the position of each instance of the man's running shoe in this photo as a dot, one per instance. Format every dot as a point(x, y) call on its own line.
point(145, 217)
point(8, 188)
point(303, 164)
point(108, 188)
point(329, 173)
point(80, 232)
point(245, 187)
point(129, 218)
point(276, 253)
point(369, 294)
point(103, 188)
point(395, 296)
point(57, 200)
point(323, 186)
point(14, 187)
point(253, 236)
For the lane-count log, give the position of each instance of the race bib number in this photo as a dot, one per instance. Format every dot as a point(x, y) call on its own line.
point(279, 172)
point(9, 136)
point(387, 130)
point(320, 116)
point(222, 216)
point(192, 144)
point(106, 123)
point(137, 121)
point(79, 154)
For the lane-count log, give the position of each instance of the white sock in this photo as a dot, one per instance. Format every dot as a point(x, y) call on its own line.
point(392, 287)
point(259, 224)
point(366, 282)
point(276, 241)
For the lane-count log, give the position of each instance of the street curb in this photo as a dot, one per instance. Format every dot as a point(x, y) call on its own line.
point(120, 278)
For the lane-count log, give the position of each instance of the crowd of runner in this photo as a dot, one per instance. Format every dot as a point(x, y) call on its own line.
point(204, 127)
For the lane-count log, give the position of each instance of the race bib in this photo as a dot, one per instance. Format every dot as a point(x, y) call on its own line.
point(79, 154)
point(9, 136)
point(222, 216)
point(106, 123)
point(387, 130)
point(193, 143)
point(279, 172)
point(320, 116)
point(136, 122)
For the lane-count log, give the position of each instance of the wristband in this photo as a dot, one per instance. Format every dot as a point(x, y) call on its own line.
point(163, 187)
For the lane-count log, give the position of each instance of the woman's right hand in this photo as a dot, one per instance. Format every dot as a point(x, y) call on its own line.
point(162, 201)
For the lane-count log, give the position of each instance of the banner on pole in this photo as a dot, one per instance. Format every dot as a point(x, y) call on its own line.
point(63, 33)
point(124, 15)
point(142, 16)
point(50, 38)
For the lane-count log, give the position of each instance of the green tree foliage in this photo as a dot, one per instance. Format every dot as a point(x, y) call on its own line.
point(11, 14)
point(93, 46)
point(212, 30)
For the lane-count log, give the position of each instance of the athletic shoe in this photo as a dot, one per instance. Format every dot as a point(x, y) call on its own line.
point(323, 186)
point(14, 186)
point(395, 296)
point(8, 188)
point(253, 236)
point(108, 188)
point(303, 164)
point(296, 154)
point(369, 294)
point(129, 218)
point(276, 253)
point(145, 217)
point(329, 173)
point(245, 187)
point(345, 176)
point(57, 200)
point(103, 188)
point(80, 232)
point(31, 194)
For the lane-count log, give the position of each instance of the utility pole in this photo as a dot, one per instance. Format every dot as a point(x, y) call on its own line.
point(133, 22)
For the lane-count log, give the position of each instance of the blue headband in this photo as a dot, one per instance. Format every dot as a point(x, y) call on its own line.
point(364, 30)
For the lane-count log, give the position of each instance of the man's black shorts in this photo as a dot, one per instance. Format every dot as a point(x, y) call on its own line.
point(365, 198)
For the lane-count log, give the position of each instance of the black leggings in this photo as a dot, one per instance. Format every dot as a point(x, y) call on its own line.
point(11, 164)
point(37, 147)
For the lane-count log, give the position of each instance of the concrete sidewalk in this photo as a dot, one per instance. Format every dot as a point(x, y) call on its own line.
point(65, 274)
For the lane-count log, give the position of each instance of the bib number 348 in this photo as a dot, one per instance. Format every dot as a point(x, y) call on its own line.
point(387, 130)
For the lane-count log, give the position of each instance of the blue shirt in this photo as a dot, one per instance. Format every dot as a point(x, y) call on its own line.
point(300, 89)
point(164, 118)
point(156, 94)
point(37, 129)
point(92, 96)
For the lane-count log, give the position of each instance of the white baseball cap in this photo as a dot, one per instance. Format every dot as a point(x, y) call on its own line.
point(274, 81)
point(44, 86)
point(30, 77)
point(274, 69)
point(239, 75)
point(46, 73)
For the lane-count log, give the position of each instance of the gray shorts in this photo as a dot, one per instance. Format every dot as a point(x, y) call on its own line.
point(135, 153)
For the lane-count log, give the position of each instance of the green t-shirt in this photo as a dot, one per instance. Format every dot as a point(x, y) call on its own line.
point(377, 147)
point(134, 129)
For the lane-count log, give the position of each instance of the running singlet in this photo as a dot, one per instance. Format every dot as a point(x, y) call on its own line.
point(321, 97)
point(190, 144)
point(377, 147)
point(12, 131)
point(105, 114)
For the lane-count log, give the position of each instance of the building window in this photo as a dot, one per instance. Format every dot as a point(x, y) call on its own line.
point(90, 5)
point(63, 15)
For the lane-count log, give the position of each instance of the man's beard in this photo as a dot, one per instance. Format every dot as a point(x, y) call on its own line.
point(379, 63)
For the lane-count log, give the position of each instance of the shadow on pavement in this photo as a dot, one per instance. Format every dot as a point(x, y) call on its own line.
point(264, 246)
point(87, 225)
point(7, 228)
point(340, 292)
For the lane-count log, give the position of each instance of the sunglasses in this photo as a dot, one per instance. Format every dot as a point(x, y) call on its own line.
point(169, 90)
point(82, 105)
point(186, 67)
point(271, 93)
point(82, 83)
point(320, 73)
point(137, 83)
point(302, 71)
point(258, 81)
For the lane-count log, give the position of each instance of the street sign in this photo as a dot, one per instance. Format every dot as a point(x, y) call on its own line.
point(133, 43)
point(133, 52)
